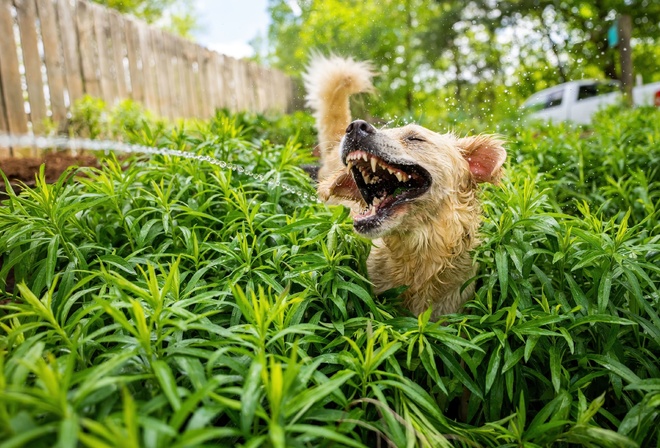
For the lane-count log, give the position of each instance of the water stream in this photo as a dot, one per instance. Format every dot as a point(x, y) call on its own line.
point(78, 144)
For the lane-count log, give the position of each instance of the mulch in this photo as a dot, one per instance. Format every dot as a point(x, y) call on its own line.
point(24, 169)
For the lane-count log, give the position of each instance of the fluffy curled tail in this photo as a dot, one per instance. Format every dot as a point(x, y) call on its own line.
point(329, 82)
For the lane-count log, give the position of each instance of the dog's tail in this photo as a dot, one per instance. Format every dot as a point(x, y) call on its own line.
point(330, 81)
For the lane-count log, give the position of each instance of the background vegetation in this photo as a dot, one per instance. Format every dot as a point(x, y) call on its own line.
point(168, 302)
point(177, 16)
point(447, 60)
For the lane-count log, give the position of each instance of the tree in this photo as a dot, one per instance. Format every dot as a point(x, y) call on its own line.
point(462, 60)
point(580, 28)
point(385, 32)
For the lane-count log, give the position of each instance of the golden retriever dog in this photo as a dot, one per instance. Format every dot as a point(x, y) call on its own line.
point(413, 191)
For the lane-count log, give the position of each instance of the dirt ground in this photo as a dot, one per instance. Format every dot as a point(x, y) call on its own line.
point(24, 169)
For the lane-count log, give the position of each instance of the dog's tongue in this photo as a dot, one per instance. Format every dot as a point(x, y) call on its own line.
point(344, 187)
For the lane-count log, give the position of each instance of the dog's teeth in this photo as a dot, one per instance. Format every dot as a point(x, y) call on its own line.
point(399, 176)
point(376, 202)
point(391, 171)
point(374, 163)
point(365, 157)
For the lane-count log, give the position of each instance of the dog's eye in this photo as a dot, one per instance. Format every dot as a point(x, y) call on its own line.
point(415, 138)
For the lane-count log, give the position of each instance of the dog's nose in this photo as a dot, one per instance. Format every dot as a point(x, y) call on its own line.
point(359, 129)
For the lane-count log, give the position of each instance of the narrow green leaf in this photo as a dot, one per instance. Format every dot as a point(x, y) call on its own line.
point(251, 395)
point(501, 262)
point(555, 367)
point(604, 288)
point(493, 369)
point(167, 382)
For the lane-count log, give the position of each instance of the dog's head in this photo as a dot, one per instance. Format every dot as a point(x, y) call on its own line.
point(401, 177)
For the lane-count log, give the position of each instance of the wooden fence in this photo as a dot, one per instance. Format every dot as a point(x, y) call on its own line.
point(52, 52)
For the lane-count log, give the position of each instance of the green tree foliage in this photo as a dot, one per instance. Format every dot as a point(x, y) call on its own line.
point(576, 31)
point(174, 15)
point(448, 59)
point(383, 31)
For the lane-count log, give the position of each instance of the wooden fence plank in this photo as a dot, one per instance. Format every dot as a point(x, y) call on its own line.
point(146, 54)
point(249, 83)
point(86, 38)
point(225, 89)
point(68, 34)
point(154, 72)
point(11, 78)
point(271, 92)
point(201, 82)
point(54, 61)
point(118, 52)
point(4, 127)
point(214, 80)
point(104, 53)
point(247, 91)
point(162, 72)
point(211, 81)
point(202, 85)
point(132, 37)
point(227, 78)
point(178, 90)
point(193, 82)
point(243, 95)
point(182, 91)
point(186, 78)
point(237, 88)
point(26, 14)
point(167, 64)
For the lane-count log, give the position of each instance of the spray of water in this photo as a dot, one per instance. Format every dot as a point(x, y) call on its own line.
point(78, 144)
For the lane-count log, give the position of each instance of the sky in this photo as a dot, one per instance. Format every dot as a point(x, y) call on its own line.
point(227, 26)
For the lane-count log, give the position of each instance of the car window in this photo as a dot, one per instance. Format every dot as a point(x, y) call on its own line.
point(587, 91)
point(544, 101)
point(554, 99)
point(592, 90)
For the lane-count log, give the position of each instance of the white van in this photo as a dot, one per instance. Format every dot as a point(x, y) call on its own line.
point(577, 101)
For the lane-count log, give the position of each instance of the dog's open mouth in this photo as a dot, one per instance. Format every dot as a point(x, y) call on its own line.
point(383, 185)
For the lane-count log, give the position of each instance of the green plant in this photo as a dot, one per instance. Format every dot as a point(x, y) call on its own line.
point(88, 117)
point(163, 301)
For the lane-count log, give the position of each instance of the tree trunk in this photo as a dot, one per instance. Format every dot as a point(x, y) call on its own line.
point(625, 32)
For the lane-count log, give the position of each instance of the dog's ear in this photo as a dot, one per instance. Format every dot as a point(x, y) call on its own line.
point(485, 154)
point(339, 186)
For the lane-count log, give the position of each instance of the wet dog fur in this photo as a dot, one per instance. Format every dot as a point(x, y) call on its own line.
point(413, 191)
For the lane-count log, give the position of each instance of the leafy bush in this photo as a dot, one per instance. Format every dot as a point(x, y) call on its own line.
point(88, 117)
point(168, 302)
